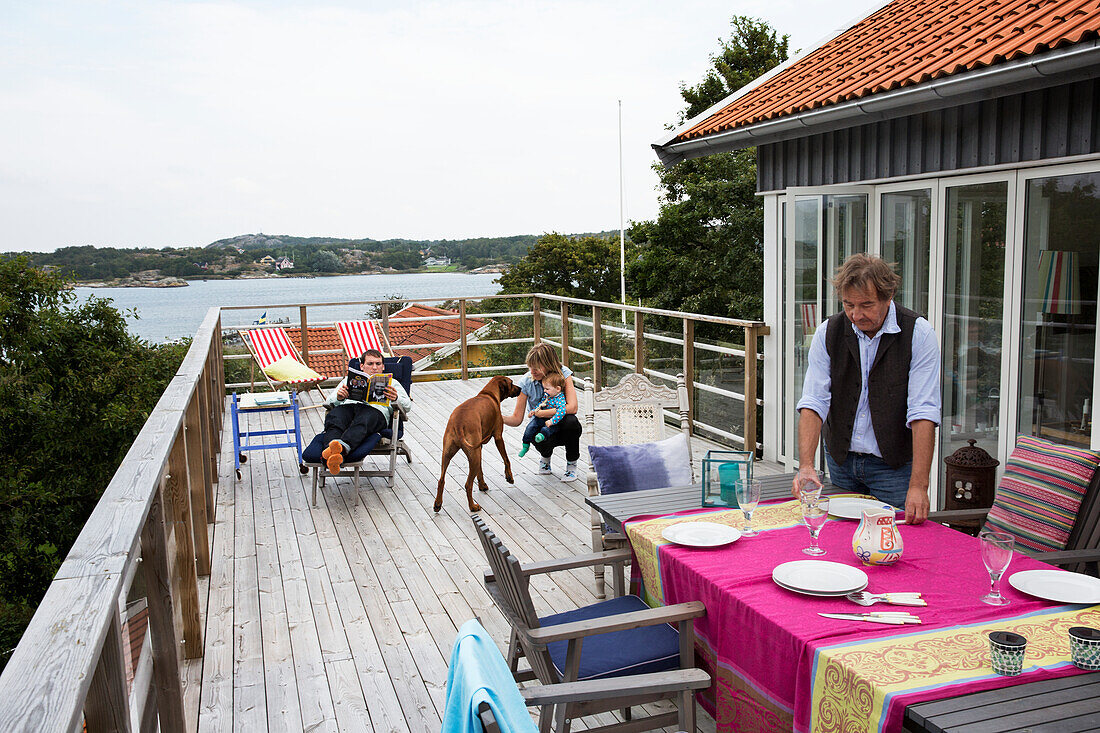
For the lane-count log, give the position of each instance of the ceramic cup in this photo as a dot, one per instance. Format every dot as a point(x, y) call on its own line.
point(1084, 647)
point(1006, 651)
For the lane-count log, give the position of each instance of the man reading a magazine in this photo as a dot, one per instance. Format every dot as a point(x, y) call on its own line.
point(349, 422)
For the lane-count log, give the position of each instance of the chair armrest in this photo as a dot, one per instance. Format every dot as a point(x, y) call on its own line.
point(611, 557)
point(640, 684)
point(620, 622)
point(957, 515)
point(1068, 557)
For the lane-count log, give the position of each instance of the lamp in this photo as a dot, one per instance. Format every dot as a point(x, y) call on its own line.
point(1060, 279)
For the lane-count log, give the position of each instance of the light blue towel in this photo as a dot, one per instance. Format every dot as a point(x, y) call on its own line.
point(479, 673)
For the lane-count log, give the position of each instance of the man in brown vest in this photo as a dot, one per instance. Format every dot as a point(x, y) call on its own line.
point(872, 389)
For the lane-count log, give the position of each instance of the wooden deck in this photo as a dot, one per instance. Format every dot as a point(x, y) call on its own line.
point(342, 617)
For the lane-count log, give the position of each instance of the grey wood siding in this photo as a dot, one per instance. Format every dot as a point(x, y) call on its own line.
point(1047, 123)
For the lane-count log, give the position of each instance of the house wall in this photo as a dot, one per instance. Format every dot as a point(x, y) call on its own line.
point(1050, 123)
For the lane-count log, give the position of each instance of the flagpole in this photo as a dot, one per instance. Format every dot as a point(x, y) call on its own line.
point(622, 229)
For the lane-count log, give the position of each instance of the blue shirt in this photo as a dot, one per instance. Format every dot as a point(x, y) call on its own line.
point(533, 388)
point(924, 379)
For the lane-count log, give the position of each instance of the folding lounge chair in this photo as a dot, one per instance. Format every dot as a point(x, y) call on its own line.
point(385, 443)
point(358, 336)
point(269, 345)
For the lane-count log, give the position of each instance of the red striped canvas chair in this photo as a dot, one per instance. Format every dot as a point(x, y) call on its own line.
point(809, 321)
point(358, 336)
point(268, 346)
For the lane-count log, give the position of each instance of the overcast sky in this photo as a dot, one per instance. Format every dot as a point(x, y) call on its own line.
point(158, 123)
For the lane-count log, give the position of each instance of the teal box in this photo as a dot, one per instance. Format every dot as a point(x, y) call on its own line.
point(722, 471)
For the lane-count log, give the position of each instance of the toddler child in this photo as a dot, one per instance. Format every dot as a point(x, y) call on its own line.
point(542, 427)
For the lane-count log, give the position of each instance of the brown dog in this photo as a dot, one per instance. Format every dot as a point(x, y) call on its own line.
point(471, 426)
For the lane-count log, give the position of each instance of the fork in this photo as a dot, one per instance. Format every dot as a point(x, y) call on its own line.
point(864, 598)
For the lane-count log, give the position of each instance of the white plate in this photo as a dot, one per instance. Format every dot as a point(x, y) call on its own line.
point(819, 577)
point(1057, 585)
point(833, 594)
point(850, 508)
point(701, 534)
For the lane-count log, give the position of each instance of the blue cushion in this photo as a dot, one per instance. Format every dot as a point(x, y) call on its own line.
point(622, 468)
point(618, 653)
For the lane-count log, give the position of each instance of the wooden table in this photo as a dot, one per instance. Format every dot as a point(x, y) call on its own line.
point(617, 508)
point(1068, 703)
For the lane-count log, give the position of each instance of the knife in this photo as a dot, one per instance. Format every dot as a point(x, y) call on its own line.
point(880, 618)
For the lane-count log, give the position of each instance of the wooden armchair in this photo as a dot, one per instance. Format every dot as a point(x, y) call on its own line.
point(619, 634)
point(1082, 553)
point(636, 407)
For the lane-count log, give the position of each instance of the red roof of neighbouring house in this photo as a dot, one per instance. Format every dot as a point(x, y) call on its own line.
point(908, 42)
point(405, 334)
point(322, 338)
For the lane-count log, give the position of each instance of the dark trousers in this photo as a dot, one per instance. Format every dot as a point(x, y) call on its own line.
point(352, 423)
point(538, 425)
point(568, 434)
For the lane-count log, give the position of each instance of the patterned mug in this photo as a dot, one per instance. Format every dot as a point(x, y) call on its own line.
point(1006, 651)
point(1084, 647)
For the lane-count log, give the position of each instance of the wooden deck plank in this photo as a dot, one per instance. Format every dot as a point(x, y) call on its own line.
point(351, 608)
point(272, 560)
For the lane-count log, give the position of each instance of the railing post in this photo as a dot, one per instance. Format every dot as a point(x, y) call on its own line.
point(597, 348)
point(303, 333)
point(536, 319)
point(565, 333)
point(689, 368)
point(639, 344)
point(177, 493)
point(158, 585)
point(462, 355)
point(197, 485)
point(106, 707)
point(750, 388)
point(386, 322)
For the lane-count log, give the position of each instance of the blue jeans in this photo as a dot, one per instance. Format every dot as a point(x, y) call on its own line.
point(869, 474)
point(536, 426)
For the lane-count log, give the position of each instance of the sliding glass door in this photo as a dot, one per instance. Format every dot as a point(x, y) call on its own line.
point(975, 236)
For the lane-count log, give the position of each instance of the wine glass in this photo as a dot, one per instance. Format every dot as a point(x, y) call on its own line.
point(996, 554)
point(815, 511)
point(807, 486)
point(748, 496)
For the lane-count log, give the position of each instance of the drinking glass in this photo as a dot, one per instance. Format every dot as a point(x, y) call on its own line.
point(806, 486)
point(748, 496)
point(815, 511)
point(996, 554)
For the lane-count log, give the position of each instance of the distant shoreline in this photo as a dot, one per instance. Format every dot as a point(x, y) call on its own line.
point(176, 282)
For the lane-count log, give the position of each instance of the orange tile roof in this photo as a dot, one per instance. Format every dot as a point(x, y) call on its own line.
point(904, 43)
point(322, 338)
point(405, 334)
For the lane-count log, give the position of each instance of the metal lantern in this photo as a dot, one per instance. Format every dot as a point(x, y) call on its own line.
point(971, 479)
point(722, 470)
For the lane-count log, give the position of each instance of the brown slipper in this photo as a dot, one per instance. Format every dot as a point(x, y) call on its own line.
point(333, 456)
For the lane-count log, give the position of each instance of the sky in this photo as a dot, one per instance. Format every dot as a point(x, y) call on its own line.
point(173, 124)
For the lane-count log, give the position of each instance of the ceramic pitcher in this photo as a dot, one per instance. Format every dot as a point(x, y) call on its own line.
point(877, 540)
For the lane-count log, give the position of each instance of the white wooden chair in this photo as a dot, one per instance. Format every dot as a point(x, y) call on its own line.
point(636, 406)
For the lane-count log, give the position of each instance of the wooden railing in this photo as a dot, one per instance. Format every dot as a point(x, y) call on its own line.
point(152, 519)
point(586, 355)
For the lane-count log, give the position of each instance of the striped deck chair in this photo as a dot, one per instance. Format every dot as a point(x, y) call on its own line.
point(269, 345)
point(809, 321)
point(358, 336)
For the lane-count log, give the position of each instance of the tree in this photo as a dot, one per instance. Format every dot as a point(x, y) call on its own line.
point(576, 267)
point(704, 252)
point(75, 389)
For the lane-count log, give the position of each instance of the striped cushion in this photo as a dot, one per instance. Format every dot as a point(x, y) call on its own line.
point(1041, 490)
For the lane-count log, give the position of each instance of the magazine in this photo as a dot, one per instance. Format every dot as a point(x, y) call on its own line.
point(369, 388)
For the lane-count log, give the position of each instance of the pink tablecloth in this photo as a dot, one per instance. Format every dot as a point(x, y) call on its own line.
point(779, 666)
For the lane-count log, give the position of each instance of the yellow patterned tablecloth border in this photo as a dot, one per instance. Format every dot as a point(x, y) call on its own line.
point(851, 682)
point(645, 536)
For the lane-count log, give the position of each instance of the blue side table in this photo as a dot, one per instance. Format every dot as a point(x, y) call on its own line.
point(244, 440)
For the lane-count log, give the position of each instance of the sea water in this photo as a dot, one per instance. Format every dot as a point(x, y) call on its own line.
point(165, 314)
